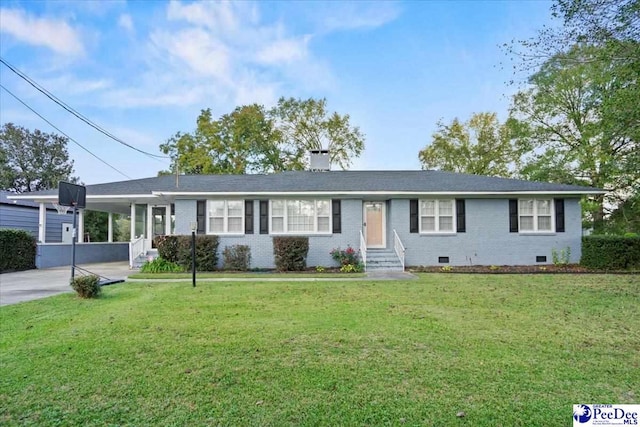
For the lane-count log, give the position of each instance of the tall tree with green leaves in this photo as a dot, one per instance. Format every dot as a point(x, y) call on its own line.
point(306, 124)
point(600, 41)
point(252, 139)
point(571, 137)
point(236, 143)
point(32, 161)
point(481, 146)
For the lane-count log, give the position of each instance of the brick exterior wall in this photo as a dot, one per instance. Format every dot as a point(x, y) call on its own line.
point(487, 240)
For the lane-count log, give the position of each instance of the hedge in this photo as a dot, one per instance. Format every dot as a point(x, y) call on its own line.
point(291, 253)
point(178, 249)
point(610, 252)
point(236, 257)
point(17, 250)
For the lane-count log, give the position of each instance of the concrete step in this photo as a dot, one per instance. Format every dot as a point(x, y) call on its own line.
point(383, 263)
point(383, 260)
point(373, 267)
point(141, 259)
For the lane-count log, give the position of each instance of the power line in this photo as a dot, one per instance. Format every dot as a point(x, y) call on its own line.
point(74, 112)
point(133, 181)
point(58, 129)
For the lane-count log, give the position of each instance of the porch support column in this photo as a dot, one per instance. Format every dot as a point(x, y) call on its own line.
point(80, 225)
point(42, 223)
point(110, 228)
point(133, 222)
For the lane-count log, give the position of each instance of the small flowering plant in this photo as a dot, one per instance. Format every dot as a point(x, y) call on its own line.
point(345, 256)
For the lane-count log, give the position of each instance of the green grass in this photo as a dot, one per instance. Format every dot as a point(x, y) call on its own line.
point(507, 350)
point(233, 274)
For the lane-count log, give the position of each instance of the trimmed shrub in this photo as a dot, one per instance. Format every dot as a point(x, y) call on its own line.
point(290, 253)
point(178, 249)
point(610, 252)
point(87, 286)
point(206, 253)
point(236, 257)
point(17, 250)
point(161, 265)
point(168, 247)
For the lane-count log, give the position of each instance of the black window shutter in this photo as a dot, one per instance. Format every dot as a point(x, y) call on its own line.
point(413, 216)
point(337, 216)
point(248, 216)
point(264, 217)
point(559, 215)
point(461, 223)
point(513, 216)
point(201, 216)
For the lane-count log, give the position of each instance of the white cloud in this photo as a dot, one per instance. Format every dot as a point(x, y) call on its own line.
point(57, 35)
point(145, 96)
point(226, 51)
point(284, 51)
point(222, 17)
point(125, 22)
point(220, 54)
point(358, 15)
point(195, 47)
point(70, 85)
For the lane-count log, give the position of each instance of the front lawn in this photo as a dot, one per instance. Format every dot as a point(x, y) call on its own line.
point(504, 349)
point(336, 275)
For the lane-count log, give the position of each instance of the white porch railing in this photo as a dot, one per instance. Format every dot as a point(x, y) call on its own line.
point(363, 250)
point(136, 248)
point(398, 247)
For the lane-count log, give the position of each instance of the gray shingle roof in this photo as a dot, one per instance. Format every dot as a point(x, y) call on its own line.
point(334, 181)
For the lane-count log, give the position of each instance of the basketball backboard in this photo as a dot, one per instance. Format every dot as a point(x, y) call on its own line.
point(72, 195)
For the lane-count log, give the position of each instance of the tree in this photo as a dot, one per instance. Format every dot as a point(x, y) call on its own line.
point(605, 35)
point(480, 146)
point(626, 218)
point(611, 24)
point(252, 139)
point(32, 161)
point(236, 143)
point(572, 135)
point(96, 225)
point(304, 125)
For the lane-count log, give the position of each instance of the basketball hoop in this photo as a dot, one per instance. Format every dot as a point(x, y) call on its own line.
point(62, 210)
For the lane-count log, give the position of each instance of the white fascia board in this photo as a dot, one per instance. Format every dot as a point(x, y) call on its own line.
point(368, 193)
point(50, 197)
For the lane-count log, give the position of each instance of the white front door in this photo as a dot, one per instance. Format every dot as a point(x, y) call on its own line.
point(373, 221)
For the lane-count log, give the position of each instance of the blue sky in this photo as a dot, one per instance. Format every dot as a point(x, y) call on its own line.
point(143, 70)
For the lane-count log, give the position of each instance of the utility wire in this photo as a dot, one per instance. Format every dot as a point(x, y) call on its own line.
point(58, 129)
point(133, 181)
point(74, 112)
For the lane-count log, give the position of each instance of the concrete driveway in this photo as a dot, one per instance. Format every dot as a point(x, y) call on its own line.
point(33, 284)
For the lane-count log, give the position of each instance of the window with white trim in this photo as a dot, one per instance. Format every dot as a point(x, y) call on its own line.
point(226, 216)
point(535, 215)
point(437, 216)
point(300, 216)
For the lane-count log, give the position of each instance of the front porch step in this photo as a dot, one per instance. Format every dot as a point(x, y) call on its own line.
point(150, 255)
point(383, 260)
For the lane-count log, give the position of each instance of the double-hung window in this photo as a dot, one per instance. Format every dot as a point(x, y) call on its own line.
point(535, 215)
point(300, 216)
point(226, 216)
point(436, 216)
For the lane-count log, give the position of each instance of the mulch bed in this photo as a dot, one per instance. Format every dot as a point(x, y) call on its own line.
point(517, 269)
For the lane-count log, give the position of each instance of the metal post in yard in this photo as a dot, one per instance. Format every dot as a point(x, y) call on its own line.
point(194, 226)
